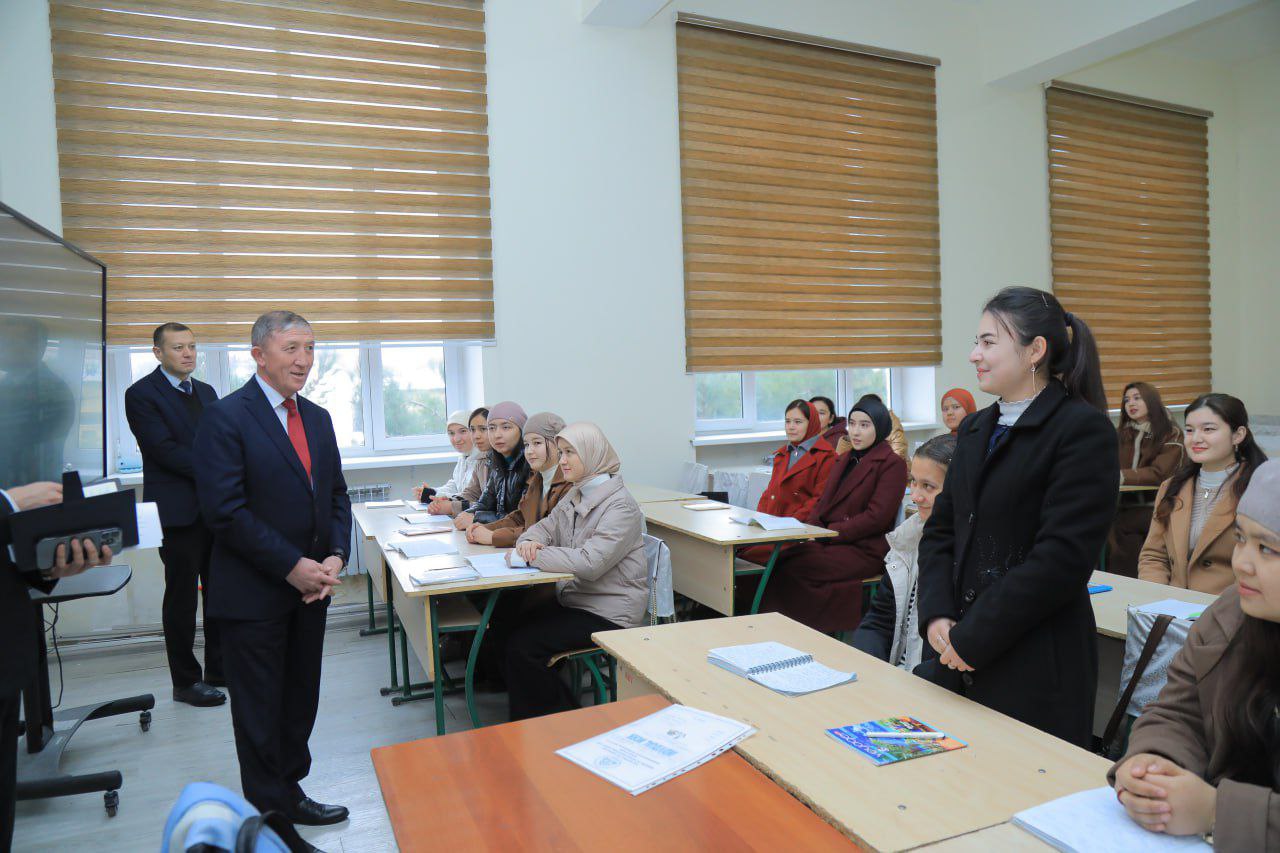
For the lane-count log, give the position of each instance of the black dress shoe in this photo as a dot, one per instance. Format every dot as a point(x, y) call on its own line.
point(199, 694)
point(310, 813)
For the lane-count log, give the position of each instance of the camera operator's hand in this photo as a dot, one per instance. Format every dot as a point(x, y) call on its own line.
point(83, 555)
point(35, 495)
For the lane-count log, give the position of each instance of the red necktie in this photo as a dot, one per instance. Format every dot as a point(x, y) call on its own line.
point(298, 436)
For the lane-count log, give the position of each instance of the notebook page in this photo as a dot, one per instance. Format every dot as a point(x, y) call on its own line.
point(1094, 821)
point(798, 680)
point(756, 657)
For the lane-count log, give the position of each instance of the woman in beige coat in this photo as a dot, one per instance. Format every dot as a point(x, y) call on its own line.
point(1204, 758)
point(1190, 540)
point(594, 534)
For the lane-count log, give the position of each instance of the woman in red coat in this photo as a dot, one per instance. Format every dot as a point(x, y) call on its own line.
point(819, 583)
point(800, 469)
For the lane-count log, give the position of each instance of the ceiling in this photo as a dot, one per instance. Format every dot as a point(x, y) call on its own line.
point(1232, 39)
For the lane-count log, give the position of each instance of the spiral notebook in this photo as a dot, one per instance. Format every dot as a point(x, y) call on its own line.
point(781, 668)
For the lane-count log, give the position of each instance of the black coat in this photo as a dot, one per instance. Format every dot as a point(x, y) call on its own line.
point(503, 489)
point(264, 512)
point(1008, 552)
point(19, 617)
point(165, 430)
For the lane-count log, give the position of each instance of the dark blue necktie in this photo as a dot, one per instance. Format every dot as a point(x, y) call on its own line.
point(996, 435)
point(185, 387)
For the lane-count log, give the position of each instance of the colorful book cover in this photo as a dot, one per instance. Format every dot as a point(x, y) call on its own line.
point(883, 751)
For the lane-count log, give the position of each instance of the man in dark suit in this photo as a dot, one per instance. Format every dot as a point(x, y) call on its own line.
point(271, 487)
point(164, 408)
point(20, 627)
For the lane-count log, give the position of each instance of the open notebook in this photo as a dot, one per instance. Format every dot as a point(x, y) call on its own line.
point(1094, 821)
point(765, 521)
point(784, 669)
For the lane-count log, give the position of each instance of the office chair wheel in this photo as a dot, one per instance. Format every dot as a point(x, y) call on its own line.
point(144, 720)
point(111, 801)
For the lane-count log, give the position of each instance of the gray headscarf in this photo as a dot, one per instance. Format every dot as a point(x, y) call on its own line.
point(1261, 499)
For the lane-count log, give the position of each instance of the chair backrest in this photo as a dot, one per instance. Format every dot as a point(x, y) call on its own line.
point(662, 602)
point(694, 478)
point(757, 482)
point(733, 483)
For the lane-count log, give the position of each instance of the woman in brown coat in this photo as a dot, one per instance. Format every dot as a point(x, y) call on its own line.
point(545, 488)
point(819, 583)
point(1190, 542)
point(1150, 451)
point(1204, 758)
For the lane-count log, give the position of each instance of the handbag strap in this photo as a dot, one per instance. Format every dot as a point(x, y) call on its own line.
point(1148, 652)
point(251, 828)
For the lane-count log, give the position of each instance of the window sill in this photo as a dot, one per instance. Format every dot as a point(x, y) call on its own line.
point(349, 463)
point(772, 436)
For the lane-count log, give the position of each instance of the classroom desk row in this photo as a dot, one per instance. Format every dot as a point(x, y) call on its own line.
point(427, 612)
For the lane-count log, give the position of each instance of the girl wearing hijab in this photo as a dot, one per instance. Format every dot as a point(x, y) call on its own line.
point(956, 405)
point(451, 504)
point(1007, 553)
point(595, 534)
point(819, 583)
point(1204, 758)
point(897, 437)
point(544, 490)
point(508, 469)
point(800, 470)
point(460, 438)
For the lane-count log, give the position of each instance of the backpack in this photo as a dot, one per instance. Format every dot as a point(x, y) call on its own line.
point(208, 818)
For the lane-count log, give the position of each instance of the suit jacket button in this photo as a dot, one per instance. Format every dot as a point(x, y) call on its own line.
point(967, 678)
point(970, 596)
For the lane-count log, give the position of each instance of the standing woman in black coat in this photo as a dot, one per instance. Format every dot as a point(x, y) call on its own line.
point(1028, 500)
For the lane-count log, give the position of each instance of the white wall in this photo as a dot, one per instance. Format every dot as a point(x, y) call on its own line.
point(28, 135)
point(1257, 306)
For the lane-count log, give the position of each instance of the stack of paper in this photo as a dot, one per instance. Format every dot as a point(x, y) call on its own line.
point(441, 521)
point(495, 565)
point(382, 504)
point(1094, 821)
point(653, 749)
point(413, 548)
point(1173, 607)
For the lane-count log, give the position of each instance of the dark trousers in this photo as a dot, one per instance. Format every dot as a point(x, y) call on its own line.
point(273, 675)
point(8, 764)
point(185, 553)
point(533, 688)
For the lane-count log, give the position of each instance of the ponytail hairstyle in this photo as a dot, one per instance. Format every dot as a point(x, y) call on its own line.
point(938, 450)
point(1162, 428)
point(1029, 314)
point(1248, 453)
point(1249, 715)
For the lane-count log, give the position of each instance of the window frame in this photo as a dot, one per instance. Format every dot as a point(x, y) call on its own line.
point(460, 386)
point(706, 427)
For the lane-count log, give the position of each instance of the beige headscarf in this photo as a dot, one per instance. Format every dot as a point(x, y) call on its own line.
point(595, 451)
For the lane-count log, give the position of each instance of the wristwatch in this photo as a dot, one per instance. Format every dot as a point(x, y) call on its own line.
point(340, 554)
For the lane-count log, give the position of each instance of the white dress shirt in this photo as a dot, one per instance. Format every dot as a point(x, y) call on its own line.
point(276, 400)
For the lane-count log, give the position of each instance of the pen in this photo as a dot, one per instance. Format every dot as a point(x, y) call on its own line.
point(905, 735)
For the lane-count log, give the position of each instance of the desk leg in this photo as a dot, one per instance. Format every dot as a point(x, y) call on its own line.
point(437, 673)
point(764, 578)
point(373, 628)
point(469, 680)
point(391, 628)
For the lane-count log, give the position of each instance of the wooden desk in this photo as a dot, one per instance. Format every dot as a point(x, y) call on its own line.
point(504, 788)
point(702, 550)
point(1111, 609)
point(653, 494)
point(1007, 767)
point(424, 612)
point(1111, 612)
point(1005, 838)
